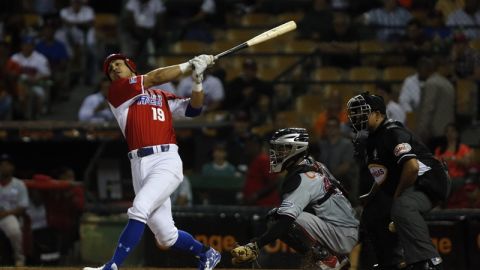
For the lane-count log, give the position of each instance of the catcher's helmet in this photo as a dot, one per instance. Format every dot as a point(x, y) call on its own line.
point(287, 146)
point(360, 106)
point(115, 56)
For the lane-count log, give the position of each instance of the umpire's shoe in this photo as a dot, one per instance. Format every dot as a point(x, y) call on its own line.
point(209, 259)
point(112, 267)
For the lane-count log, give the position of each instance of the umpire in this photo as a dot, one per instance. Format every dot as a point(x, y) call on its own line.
point(406, 172)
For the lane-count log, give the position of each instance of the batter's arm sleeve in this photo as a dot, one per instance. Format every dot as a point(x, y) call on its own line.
point(283, 224)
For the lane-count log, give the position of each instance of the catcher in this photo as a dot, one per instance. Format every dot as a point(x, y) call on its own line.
point(315, 218)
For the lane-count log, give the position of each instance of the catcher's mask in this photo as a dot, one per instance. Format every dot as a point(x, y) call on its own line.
point(287, 146)
point(112, 57)
point(359, 108)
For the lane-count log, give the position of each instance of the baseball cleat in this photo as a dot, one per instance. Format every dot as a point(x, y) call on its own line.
point(112, 267)
point(209, 259)
point(333, 263)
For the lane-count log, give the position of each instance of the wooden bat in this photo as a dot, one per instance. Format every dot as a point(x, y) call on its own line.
point(267, 35)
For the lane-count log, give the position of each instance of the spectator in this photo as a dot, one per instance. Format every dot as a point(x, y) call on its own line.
point(336, 152)
point(5, 102)
point(261, 186)
point(466, 19)
point(335, 108)
point(466, 60)
point(415, 43)
point(340, 46)
point(191, 21)
point(213, 88)
point(144, 24)
point(219, 166)
point(95, 107)
point(45, 240)
point(13, 203)
point(317, 20)
point(390, 20)
point(79, 34)
point(413, 85)
point(437, 105)
point(446, 7)
point(236, 138)
point(262, 113)
point(68, 210)
point(457, 155)
point(437, 32)
point(394, 110)
point(244, 90)
point(57, 55)
point(33, 72)
point(182, 196)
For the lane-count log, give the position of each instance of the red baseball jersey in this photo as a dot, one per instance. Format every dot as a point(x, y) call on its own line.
point(145, 115)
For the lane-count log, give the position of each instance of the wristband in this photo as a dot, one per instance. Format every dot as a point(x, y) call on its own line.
point(185, 67)
point(197, 87)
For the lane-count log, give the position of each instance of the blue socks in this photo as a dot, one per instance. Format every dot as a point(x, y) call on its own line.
point(186, 242)
point(129, 238)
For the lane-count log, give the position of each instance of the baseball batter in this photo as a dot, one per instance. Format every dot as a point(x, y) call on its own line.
point(314, 218)
point(144, 114)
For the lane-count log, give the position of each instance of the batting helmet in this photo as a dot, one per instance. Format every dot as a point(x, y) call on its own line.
point(287, 146)
point(115, 56)
point(360, 106)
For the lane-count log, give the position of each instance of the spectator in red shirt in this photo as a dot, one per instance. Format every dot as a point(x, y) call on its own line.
point(261, 186)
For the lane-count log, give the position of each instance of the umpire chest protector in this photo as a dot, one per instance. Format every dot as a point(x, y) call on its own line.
point(390, 146)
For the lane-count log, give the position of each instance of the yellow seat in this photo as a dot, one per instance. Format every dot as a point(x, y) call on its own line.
point(256, 19)
point(165, 61)
point(241, 35)
point(283, 62)
point(266, 47)
point(397, 73)
point(190, 47)
point(268, 74)
point(475, 44)
point(105, 19)
point(363, 74)
point(371, 52)
point(309, 104)
point(289, 16)
point(31, 20)
point(300, 46)
point(328, 74)
point(465, 97)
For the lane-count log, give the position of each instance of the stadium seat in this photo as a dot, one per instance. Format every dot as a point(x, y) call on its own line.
point(475, 44)
point(256, 19)
point(164, 61)
point(289, 16)
point(31, 20)
point(190, 47)
point(309, 104)
point(371, 52)
point(300, 46)
point(328, 74)
point(363, 74)
point(266, 47)
point(241, 35)
point(466, 91)
point(397, 73)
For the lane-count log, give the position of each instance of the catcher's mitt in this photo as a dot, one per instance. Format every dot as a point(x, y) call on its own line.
point(245, 254)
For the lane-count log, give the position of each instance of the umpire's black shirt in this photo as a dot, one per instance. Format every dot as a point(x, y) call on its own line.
point(388, 147)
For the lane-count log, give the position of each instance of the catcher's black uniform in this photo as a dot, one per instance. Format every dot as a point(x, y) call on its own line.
point(387, 149)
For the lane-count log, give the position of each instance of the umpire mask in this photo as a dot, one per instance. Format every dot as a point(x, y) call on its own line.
point(358, 111)
point(287, 146)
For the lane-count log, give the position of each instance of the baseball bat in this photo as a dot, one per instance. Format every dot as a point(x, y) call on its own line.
point(267, 35)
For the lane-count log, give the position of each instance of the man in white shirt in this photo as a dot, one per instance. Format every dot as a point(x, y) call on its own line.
point(95, 107)
point(212, 87)
point(467, 19)
point(394, 110)
point(34, 74)
point(410, 92)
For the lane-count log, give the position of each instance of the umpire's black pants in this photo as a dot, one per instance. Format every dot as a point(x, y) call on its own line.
point(375, 235)
point(407, 213)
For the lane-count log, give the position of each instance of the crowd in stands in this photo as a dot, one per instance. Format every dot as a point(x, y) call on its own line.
point(422, 56)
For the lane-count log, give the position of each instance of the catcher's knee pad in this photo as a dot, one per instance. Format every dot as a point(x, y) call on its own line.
point(298, 239)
